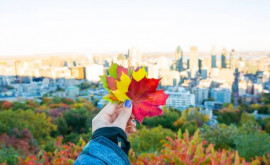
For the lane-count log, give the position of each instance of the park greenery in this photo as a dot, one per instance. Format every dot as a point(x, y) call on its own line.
point(55, 130)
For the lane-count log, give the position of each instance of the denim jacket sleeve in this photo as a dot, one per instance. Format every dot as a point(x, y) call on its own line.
point(102, 151)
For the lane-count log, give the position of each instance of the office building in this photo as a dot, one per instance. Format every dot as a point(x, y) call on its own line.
point(180, 99)
point(179, 59)
point(213, 58)
point(224, 58)
point(222, 95)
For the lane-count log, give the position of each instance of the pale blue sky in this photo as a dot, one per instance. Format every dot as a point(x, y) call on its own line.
point(91, 26)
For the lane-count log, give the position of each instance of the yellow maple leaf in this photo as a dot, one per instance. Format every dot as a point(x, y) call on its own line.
point(140, 74)
point(122, 87)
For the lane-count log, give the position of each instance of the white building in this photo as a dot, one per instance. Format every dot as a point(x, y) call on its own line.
point(93, 72)
point(180, 99)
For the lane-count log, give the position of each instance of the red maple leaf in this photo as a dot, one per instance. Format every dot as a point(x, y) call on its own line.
point(145, 98)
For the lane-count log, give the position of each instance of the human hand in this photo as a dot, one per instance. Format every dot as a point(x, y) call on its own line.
point(113, 115)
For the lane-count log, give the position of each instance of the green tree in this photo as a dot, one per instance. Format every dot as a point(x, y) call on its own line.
point(191, 119)
point(229, 116)
point(62, 127)
point(252, 144)
point(9, 155)
point(149, 140)
point(221, 135)
point(76, 119)
point(166, 120)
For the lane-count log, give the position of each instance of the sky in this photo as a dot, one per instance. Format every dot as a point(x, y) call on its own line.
point(104, 26)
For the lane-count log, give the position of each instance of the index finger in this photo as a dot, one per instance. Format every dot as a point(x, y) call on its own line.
point(109, 109)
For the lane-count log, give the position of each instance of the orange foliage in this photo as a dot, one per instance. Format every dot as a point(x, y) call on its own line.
point(65, 154)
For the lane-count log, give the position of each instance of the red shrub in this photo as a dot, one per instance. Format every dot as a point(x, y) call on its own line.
point(6, 105)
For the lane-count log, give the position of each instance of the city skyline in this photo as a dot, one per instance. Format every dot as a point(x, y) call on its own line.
point(34, 27)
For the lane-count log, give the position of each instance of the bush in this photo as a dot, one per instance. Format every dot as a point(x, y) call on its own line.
point(149, 140)
point(190, 150)
point(22, 141)
point(62, 127)
point(6, 105)
point(38, 124)
point(76, 120)
point(75, 137)
point(191, 120)
point(253, 144)
point(9, 155)
point(166, 120)
point(229, 116)
point(221, 135)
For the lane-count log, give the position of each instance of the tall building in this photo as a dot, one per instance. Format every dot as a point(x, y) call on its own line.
point(222, 95)
point(213, 57)
point(224, 58)
point(193, 60)
point(232, 59)
point(179, 59)
point(235, 87)
point(200, 65)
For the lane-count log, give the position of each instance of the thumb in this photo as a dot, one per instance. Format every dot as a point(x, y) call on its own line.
point(124, 115)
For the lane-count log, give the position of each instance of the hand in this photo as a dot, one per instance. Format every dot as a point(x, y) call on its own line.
point(113, 115)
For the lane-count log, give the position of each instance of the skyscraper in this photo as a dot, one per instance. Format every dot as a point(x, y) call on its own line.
point(193, 60)
point(235, 87)
point(224, 58)
point(179, 59)
point(213, 57)
point(200, 65)
point(232, 60)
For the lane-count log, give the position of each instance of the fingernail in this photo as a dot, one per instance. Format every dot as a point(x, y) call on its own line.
point(134, 120)
point(127, 103)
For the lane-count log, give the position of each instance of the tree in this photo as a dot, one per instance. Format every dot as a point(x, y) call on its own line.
point(191, 119)
point(253, 144)
point(149, 140)
point(191, 150)
point(166, 120)
point(221, 135)
point(39, 125)
point(76, 119)
point(6, 105)
point(229, 116)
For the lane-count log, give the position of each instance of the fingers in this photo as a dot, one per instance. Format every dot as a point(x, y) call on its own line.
point(131, 126)
point(129, 130)
point(131, 122)
point(124, 115)
point(109, 109)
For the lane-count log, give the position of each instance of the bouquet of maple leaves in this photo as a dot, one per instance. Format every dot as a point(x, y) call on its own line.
point(126, 84)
